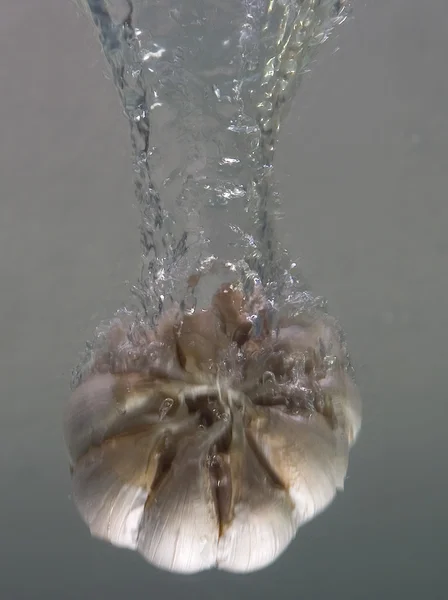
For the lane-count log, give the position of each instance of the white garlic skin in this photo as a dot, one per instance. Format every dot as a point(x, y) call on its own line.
point(201, 446)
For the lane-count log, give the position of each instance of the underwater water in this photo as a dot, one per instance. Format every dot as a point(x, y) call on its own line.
point(363, 188)
point(205, 86)
point(210, 423)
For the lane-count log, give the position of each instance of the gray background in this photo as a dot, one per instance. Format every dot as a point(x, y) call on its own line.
point(363, 171)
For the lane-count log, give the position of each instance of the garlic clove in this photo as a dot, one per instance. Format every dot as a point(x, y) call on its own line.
point(308, 457)
point(105, 404)
point(111, 484)
point(262, 517)
point(180, 529)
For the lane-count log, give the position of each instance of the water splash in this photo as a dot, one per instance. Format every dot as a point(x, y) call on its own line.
point(205, 86)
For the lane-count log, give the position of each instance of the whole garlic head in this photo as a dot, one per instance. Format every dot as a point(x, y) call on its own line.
point(207, 441)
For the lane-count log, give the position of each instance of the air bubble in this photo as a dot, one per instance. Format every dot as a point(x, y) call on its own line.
point(167, 405)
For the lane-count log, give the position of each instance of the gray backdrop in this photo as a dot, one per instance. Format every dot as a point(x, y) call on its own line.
point(363, 171)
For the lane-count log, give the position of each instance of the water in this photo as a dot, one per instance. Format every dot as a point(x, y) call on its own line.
point(362, 173)
point(205, 86)
point(264, 407)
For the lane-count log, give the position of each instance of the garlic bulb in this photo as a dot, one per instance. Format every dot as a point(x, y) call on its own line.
point(209, 440)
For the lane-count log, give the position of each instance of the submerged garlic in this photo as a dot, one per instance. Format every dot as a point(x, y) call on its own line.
point(207, 442)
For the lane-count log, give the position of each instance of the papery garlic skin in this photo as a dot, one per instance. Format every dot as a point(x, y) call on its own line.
point(206, 442)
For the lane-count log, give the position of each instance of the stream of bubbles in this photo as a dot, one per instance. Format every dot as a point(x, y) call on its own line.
point(205, 85)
